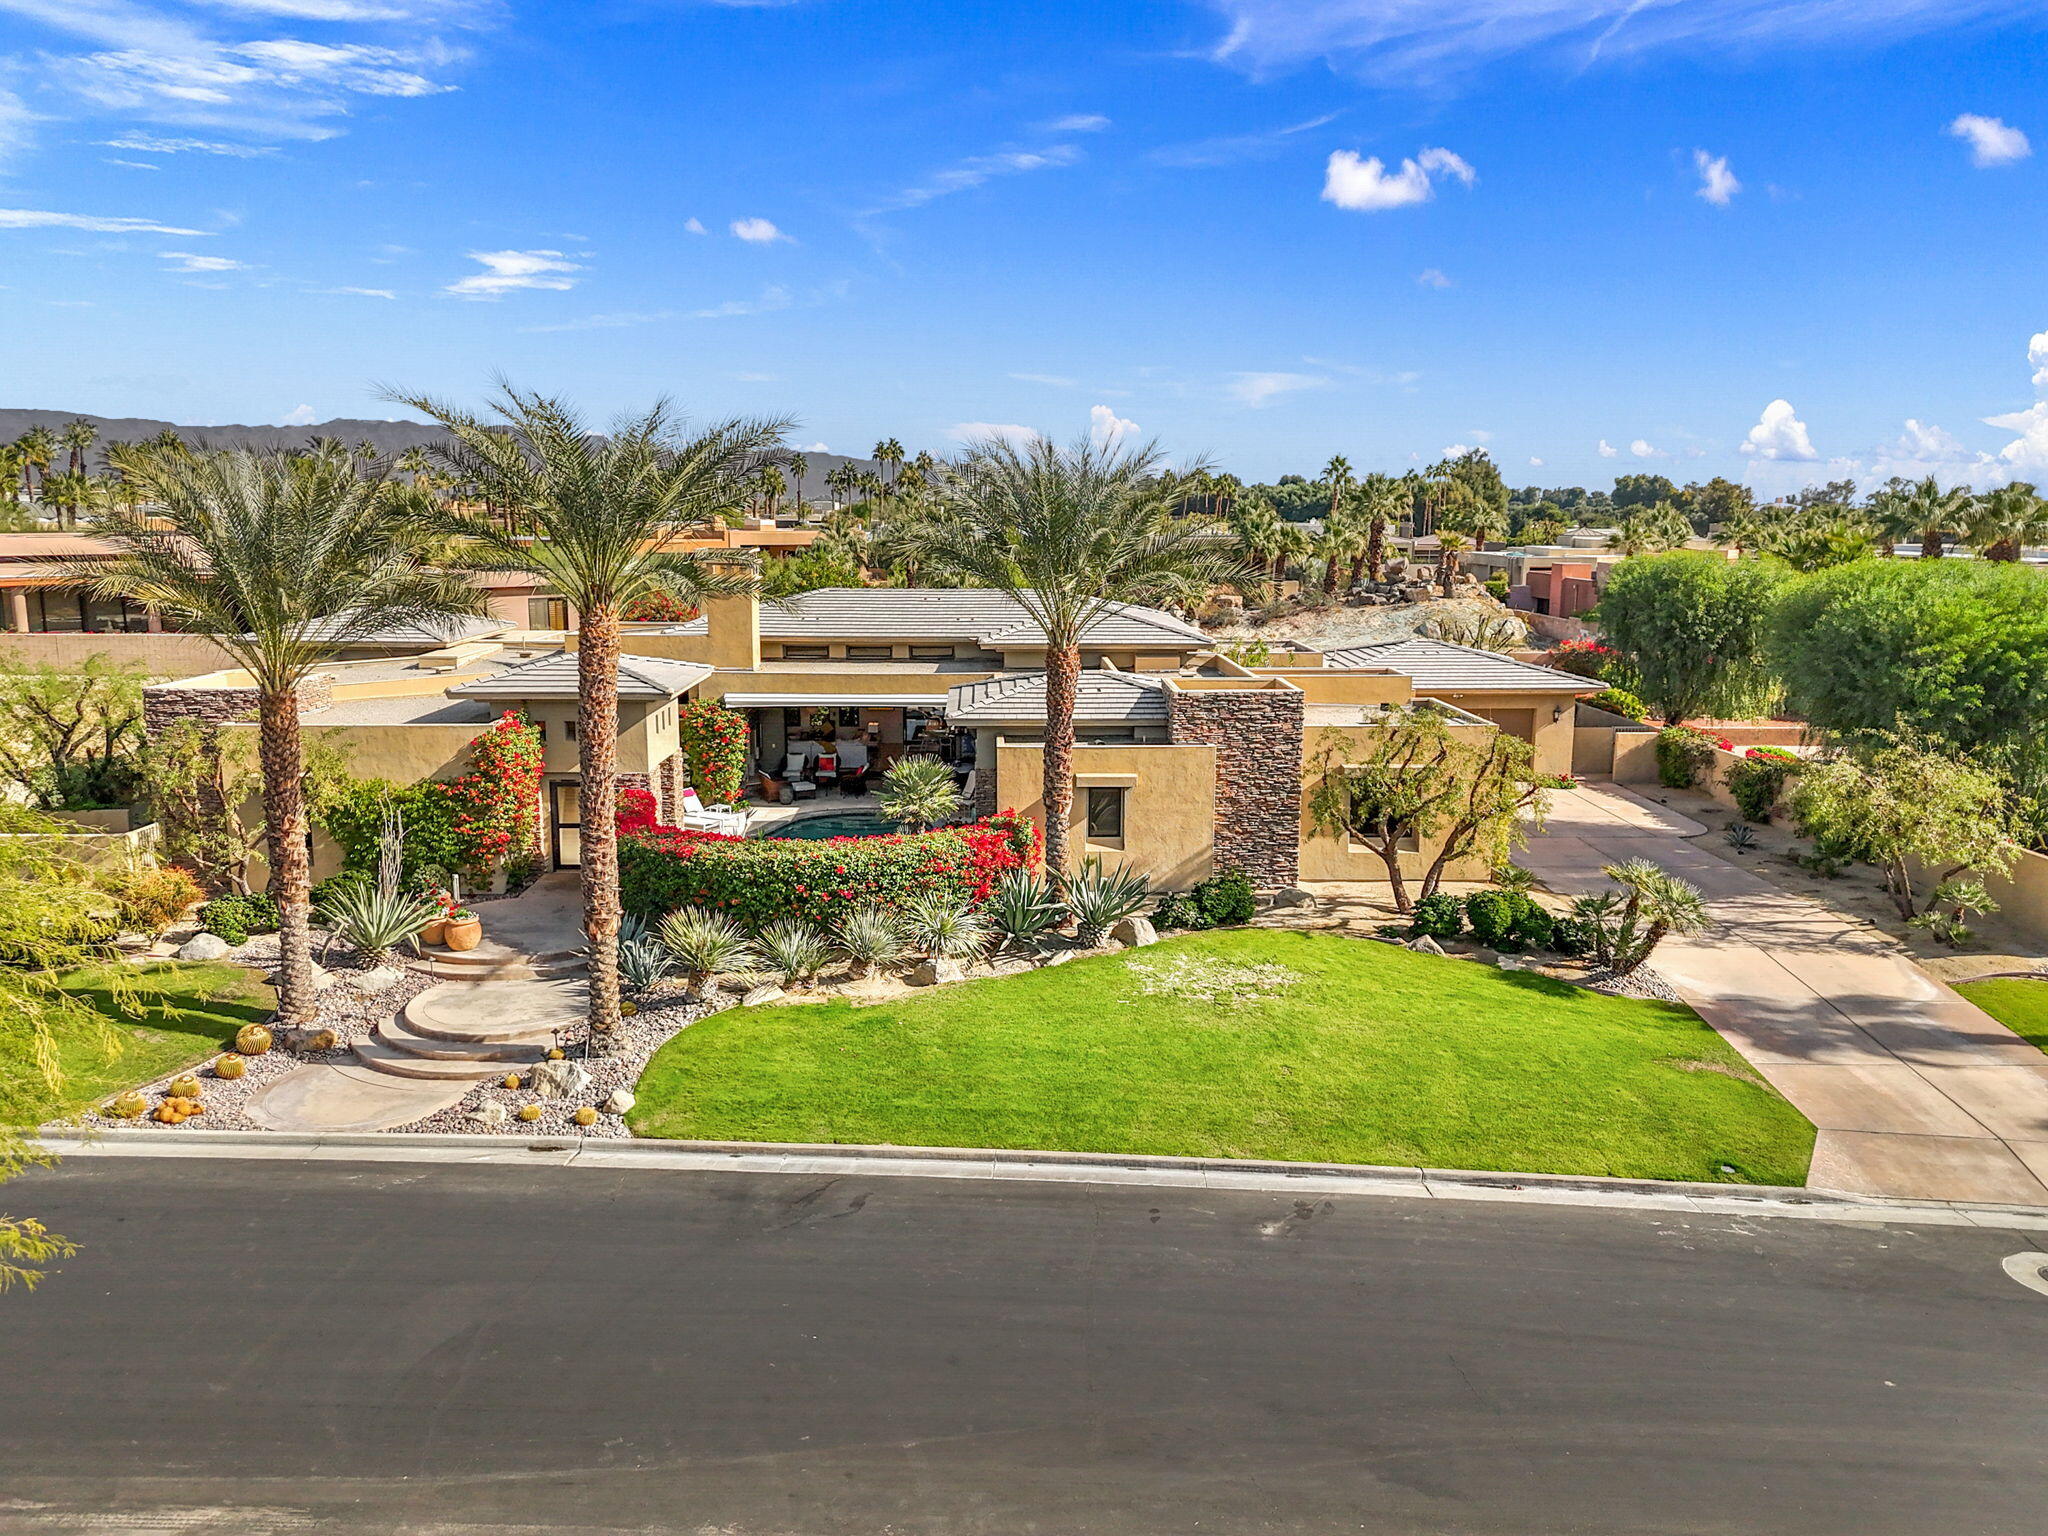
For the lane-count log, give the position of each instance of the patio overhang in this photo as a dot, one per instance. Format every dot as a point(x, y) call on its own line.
point(816, 698)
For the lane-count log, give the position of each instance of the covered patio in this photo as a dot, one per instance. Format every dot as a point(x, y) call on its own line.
point(809, 742)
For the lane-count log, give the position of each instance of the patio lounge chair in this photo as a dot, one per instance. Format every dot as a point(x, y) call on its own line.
point(796, 778)
point(853, 767)
point(696, 818)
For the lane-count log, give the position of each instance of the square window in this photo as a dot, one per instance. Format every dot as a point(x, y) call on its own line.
point(1105, 815)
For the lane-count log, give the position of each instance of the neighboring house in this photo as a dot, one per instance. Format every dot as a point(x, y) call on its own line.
point(1185, 763)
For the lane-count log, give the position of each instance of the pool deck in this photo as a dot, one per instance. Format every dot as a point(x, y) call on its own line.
point(769, 818)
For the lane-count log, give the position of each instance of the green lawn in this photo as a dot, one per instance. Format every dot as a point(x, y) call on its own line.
point(1355, 1052)
point(185, 1013)
point(2019, 1004)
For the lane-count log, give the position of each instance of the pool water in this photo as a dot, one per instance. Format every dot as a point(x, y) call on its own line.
point(835, 824)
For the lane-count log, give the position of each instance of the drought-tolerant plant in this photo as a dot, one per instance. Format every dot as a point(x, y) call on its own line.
point(869, 935)
point(1439, 915)
point(1101, 898)
point(644, 963)
point(1683, 756)
point(374, 917)
point(1951, 902)
point(150, 899)
point(1626, 926)
point(1739, 837)
point(234, 917)
point(1225, 900)
point(1492, 916)
point(944, 927)
point(1022, 909)
point(795, 951)
point(919, 793)
point(1691, 627)
point(355, 813)
point(706, 943)
point(1757, 781)
point(1620, 701)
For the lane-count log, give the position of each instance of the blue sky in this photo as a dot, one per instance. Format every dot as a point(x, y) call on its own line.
point(1781, 240)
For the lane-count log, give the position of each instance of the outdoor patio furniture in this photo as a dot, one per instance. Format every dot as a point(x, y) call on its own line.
point(696, 818)
point(797, 781)
point(853, 767)
point(826, 769)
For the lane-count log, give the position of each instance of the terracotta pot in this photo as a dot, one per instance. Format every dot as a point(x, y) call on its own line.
point(464, 934)
point(434, 932)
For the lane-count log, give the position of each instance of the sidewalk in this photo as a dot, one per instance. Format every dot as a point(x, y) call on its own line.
point(1917, 1094)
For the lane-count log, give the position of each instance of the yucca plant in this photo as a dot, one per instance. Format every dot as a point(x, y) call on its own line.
point(374, 917)
point(1101, 898)
point(1022, 910)
point(794, 951)
point(870, 935)
point(706, 943)
point(943, 927)
point(918, 794)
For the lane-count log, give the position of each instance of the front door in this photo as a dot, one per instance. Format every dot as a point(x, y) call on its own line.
point(565, 804)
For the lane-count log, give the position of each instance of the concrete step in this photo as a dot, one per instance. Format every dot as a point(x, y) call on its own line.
point(379, 1056)
point(392, 1032)
point(492, 961)
point(495, 1012)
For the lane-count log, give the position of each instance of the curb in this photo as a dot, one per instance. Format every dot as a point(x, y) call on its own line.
point(1047, 1167)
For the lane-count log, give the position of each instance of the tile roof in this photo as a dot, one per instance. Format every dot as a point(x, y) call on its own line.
point(555, 677)
point(948, 613)
point(435, 631)
point(1458, 668)
point(1103, 697)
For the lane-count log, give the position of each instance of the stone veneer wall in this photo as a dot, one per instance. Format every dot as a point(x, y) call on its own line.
point(164, 704)
point(669, 778)
point(1257, 734)
point(981, 803)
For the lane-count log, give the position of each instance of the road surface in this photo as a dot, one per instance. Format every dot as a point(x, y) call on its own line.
point(277, 1347)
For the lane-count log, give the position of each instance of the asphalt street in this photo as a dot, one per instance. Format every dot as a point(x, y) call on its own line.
point(269, 1347)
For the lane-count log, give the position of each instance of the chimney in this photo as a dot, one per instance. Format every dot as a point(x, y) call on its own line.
point(733, 641)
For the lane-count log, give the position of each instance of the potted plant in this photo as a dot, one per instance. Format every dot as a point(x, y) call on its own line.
point(464, 930)
point(437, 925)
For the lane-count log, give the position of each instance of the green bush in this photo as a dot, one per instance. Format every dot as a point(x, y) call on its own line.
point(1619, 701)
point(353, 816)
point(1497, 585)
point(1683, 756)
point(1757, 782)
point(150, 899)
point(1533, 928)
point(1179, 911)
point(1492, 916)
point(1439, 916)
point(1570, 936)
point(1226, 899)
point(234, 917)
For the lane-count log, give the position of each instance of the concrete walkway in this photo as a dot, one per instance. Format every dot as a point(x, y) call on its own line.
point(1916, 1093)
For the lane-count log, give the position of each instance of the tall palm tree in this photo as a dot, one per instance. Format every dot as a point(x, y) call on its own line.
point(600, 510)
point(77, 438)
point(276, 556)
point(1926, 512)
point(888, 454)
point(1380, 501)
point(1450, 545)
point(1342, 534)
point(2005, 521)
point(39, 446)
point(799, 468)
point(1069, 533)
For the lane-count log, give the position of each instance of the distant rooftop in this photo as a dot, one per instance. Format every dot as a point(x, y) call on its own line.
point(1103, 697)
point(993, 619)
point(555, 676)
point(1457, 668)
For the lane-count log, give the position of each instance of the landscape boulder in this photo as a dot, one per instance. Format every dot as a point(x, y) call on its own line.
point(620, 1101)
point(1295, 896)
point(378, 979)
point(322, 979)
point(203, 946)
point(932, 973)
point(767, 992)
point(558, 1079)
point(1425, 946)
point(1135, 932)
point(490, 1116)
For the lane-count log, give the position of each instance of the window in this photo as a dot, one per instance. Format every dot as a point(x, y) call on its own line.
point(931, 652)
point(1106, 815)
point(869, 652)
point(569, 729)
point(807, 653)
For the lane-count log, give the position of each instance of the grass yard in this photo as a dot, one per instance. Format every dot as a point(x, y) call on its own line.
point(1245, 1043)
point(185, 1013)
point(2016, 1002)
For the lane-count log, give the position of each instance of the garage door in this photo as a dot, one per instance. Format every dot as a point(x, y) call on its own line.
point(1516, 722)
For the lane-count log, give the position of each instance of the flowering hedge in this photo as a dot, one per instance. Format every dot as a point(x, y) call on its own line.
point(497, 803)
point(758, 880)
point(714, 742)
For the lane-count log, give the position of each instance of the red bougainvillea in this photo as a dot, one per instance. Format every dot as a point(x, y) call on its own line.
point(497, 803)
point(657, 608)
point(715, 745)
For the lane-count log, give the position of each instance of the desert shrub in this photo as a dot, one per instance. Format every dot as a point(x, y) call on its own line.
point(1225, 900)
point(1532, 928)
point(1022, 909)
point(1570, 936)
point(150, 900)
point(1619, 701)
point(706, 943)
point(1492, 916)
point(1683, 756)
point(869, 935)
point(795, 951)
point(1439, 916)
point(944, 927)
point(1178, 910)
point(1497, 585)
point(234, 917)
point(1101, 898)
point(1756, 783)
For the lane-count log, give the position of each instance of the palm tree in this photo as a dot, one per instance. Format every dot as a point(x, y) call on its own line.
point(78, 437)
point(1069, 533)
point(276, 556)
point(600, 510)
point(2006, 520)
point(1450, 543)
point(1341, 532)
point(888, 454)
point(799, 467)
point(1380, 501)
point(39, 446)
point(1926, 512)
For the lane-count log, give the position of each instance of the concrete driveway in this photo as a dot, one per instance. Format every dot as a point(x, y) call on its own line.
point(1915, 1092)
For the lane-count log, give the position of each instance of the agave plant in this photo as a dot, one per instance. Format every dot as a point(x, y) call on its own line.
point(643, 963)
point(869, 936)
point(795, 951)
point(1101, 898)
point(918, 793)
point(374, 917)
point(706, 943)
point(944, 927)
point(1022, 910)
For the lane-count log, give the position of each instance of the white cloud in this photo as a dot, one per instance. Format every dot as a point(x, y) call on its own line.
point(1607, 450)
point(2037, 354)
point(813, 448)
point(299, 416)
point(977, 431)
point(1257, 389)
point(504, 271)
point(366, 293)
point(964, 175)
point(32, 218)
point(1106, 429)
point(771, 299)
point(1717, 183)
point(130, 165)
point(1779, 435)
point(1455, 450)
point(1534, 462)
point(16, 132)
point(1642, 450)
point(1433, 277)
point(1234, 149)
point(1051, 380)
point(1405, 43)
point(187, 262)
point(1079, 122)
point(1365, 187)
point(158, 144)
point(2026, 456)
point(1991, 141)
point(757, 231)
point(694, 227)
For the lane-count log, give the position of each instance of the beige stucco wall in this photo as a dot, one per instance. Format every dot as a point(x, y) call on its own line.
point(1635, 757)
point(1169, 811)
point(166, 656)
point(1552, 736)
point(647, 734)
point(1332, 858)
point(837, 678)
point(1342, 686)
point(2022, 896)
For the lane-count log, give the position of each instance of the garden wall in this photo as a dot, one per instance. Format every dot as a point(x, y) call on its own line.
point(157, 655)
point(1600, 737)
point(116, 849)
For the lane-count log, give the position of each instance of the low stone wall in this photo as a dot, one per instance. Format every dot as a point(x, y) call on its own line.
point(1257, 734)
point(110, 849)
point(164, 704)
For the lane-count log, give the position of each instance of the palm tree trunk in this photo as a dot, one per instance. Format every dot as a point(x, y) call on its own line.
point(1930, 543)
point(284, 832)
point(2004, 549)
point(1062, 683)
point(1376, 551)
point(1447, 570)
point(597, 755)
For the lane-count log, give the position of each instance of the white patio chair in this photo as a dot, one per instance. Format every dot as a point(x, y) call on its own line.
point(697, 818)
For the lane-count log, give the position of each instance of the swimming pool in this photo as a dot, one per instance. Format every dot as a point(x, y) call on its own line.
point(835, 824)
